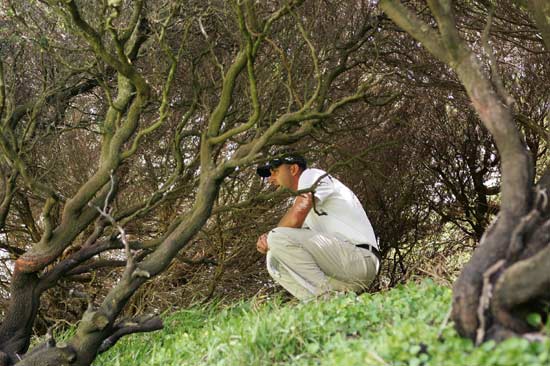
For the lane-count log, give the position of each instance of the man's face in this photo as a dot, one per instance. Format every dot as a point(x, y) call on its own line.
point(282, 176)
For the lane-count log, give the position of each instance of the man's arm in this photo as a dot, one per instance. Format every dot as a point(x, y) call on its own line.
point(296, 215)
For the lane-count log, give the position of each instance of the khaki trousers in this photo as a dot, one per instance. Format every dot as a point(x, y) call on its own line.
point(308, 264)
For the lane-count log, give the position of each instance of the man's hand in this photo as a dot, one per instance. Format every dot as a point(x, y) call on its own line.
point(261, 244)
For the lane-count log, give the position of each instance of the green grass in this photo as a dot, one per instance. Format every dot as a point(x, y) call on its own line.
point(388, 328)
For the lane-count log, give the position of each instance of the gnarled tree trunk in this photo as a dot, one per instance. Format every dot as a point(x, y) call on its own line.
point(16, 327)
point(507, 276)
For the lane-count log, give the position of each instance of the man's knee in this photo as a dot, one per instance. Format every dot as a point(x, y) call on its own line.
point(271, 264)
point(277, 239)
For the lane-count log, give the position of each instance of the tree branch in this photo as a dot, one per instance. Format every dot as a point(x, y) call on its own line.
point(415, 27)
point(121, 64)
point(136, 325)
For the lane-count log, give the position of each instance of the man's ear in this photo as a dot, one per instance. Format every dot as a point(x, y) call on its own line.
point(294, 169)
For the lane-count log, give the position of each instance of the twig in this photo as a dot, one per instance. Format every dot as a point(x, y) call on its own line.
point(535, 337)
point(130, 264)
point(136, 325)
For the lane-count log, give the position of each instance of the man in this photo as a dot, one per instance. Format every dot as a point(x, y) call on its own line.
point(325, 241)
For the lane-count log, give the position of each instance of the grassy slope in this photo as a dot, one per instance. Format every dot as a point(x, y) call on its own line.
point(389, 328)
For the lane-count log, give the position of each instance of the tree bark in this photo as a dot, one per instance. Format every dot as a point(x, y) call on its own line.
point(16, 327)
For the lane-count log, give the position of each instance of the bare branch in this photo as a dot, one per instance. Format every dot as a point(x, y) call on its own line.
point(104, 212)
point(136, 325)
point(163, 110)
point(497, 80)
point(255, 116)
point(121, 64)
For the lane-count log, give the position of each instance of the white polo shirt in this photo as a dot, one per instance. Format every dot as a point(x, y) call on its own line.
point(345, 217)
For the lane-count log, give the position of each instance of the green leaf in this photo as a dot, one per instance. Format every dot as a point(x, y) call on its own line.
point(534, 319)
point(313, 347)
point(43, 41)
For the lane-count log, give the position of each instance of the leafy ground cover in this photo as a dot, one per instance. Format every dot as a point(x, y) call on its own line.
point(403, 326)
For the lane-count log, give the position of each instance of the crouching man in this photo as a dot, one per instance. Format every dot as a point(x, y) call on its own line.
point(324, 242)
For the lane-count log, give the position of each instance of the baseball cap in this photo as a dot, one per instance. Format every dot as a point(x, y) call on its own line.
point(264, 171)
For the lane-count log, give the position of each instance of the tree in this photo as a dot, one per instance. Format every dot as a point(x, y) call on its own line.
point(506, 277)
point(127, 111)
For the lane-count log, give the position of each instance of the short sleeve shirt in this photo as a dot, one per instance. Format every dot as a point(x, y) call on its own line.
point(345, 217)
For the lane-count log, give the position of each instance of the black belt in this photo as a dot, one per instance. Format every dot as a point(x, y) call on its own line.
point(372, 249)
